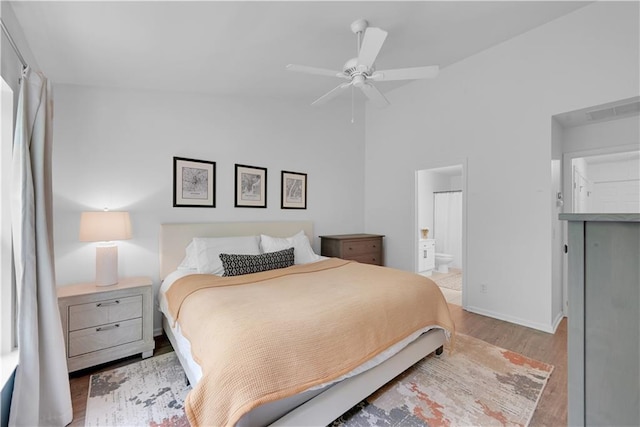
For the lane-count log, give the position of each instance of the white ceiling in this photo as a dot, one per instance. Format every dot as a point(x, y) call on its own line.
point(242, 48)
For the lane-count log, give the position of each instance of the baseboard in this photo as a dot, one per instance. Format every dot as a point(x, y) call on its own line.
point(157, 332)
point(549, 328)
point(557, 321)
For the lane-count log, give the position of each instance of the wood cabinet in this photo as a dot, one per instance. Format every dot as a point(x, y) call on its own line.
point(365, 248)
point(604, 319)
point(104, 323)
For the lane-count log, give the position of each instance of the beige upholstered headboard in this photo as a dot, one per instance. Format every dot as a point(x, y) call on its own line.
point(174, 238)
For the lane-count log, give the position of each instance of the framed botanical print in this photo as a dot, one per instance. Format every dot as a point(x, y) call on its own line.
point(293, 190)
point(194, 183)
point(250, 187)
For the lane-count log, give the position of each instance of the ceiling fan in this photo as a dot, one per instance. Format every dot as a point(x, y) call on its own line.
point(360, 71)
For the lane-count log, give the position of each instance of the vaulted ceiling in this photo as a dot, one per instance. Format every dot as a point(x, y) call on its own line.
point(241, 48)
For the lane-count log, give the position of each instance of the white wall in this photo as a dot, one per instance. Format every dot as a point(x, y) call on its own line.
point(621, 132)
point(115, 148)
point(495, 109)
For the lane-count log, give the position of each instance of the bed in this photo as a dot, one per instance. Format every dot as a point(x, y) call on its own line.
point(323, 401)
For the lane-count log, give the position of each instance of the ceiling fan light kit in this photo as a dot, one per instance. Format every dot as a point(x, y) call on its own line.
point(360, 71)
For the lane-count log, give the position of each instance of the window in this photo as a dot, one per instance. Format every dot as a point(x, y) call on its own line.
point(7, 288)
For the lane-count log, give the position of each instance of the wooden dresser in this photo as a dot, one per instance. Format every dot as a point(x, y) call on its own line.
point(105, 323)
point(365, 248)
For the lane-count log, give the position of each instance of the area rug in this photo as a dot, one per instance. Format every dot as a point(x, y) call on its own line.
point(475, 384)
point(451, 281)
point(146, 393)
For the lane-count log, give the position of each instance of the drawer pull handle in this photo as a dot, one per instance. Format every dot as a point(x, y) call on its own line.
point(107, 328)
point(350, 248)
point(104, 304)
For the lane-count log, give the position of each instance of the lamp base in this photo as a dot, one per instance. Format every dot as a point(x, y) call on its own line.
point(107, 264)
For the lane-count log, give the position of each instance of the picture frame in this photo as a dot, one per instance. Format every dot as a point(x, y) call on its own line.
point(293, 190)
point(194, 183)
point(250, 186)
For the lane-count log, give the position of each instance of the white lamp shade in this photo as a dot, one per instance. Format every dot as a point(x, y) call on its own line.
point(104, 226)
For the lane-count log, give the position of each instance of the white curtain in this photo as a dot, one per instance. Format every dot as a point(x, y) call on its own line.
point(448, 225)
point(41, 395)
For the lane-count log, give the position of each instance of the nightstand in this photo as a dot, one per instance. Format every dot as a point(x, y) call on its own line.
point(105, 323)
point(366, 248)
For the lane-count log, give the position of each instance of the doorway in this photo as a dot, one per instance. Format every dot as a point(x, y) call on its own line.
point(598, 149)
point(440, 229)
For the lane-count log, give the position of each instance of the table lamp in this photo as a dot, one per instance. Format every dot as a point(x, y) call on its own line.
point(105, 227)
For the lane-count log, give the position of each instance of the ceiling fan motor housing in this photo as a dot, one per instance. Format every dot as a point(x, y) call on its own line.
point(351, 68)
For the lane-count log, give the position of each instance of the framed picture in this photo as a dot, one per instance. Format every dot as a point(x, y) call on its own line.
point(294, 190)
point(194, 183)
point(251, 187)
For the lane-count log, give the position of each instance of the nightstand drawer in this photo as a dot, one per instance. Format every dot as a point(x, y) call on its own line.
point(359, 247)
point(104, 336)
point(83, 316)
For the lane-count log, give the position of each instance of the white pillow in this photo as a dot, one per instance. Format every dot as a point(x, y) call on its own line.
point(190, 261)
point(208, 250)
point(302, 252)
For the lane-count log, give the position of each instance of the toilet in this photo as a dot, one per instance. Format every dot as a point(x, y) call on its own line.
point(442, 262)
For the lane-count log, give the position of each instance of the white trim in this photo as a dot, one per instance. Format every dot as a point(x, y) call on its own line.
point(557, 320)
point(7, 295)
point(544, 327)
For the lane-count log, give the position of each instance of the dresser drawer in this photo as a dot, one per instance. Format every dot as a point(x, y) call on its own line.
point(105, 336)
point(98, 313)
point(359, 247)
point(374, 259)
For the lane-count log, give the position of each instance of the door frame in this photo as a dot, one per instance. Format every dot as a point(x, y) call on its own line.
point(567, 183)
point(434, 166)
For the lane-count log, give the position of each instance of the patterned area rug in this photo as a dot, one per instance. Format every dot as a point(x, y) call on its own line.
point(147, 393)
point(476, 384)
point(453, 280)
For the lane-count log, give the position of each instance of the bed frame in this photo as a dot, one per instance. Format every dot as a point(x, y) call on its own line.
point(316, 408)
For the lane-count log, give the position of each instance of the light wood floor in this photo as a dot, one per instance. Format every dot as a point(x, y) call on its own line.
point(552, 349)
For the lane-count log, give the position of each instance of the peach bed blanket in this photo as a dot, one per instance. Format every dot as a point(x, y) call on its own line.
point(266, 336)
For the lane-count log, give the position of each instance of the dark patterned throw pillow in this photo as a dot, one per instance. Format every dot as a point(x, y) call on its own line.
point(236, 265)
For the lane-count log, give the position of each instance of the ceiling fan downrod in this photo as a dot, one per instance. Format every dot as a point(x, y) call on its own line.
point(357, 27)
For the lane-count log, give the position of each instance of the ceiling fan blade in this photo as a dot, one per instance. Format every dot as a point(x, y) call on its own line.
point(315, 70)
point(413, 73)
point(371, 44)
point(375, 96)
point(331, 94)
